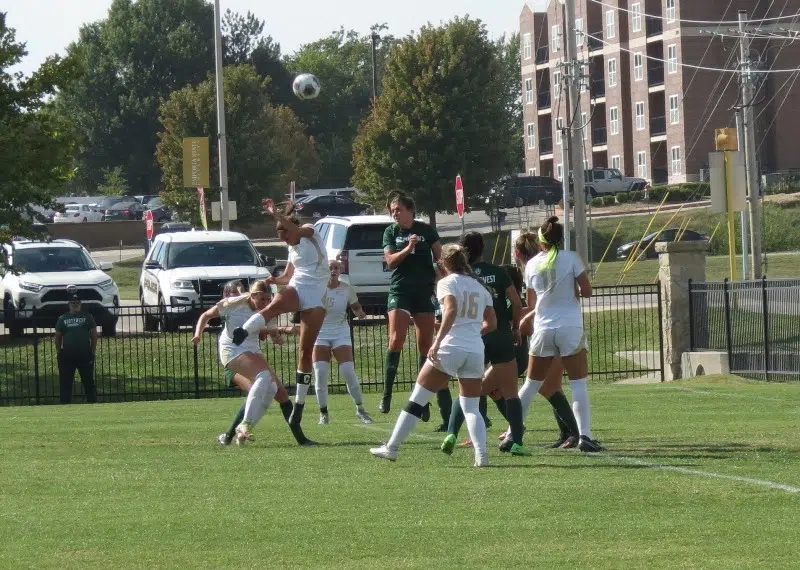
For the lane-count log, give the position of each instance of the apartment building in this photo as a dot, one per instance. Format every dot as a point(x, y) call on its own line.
point(645, 106)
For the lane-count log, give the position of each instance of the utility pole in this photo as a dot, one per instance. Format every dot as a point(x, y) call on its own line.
point(222, 140)
point(375, 37)
point(745, 220)
point(565, 146)
point(574, 77)
point(749, 147)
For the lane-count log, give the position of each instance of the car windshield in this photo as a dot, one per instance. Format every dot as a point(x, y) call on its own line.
point(53, 259)
point(365, 237)
point(123, 206)
point(108, 202)
point(154, 203)
point(211, 254)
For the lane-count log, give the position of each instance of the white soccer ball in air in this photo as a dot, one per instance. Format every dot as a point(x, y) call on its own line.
point(306, 86)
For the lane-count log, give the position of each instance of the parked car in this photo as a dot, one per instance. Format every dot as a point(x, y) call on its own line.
point(147, 198)
point(184, 273)
point(357, 241)
point(124, 211)
point(51, 272)
point(670, 235)
point(316, 207)
point(160, 212)
point(518, 191)
point(602, 181)
point(105, 203)
point(77, 213)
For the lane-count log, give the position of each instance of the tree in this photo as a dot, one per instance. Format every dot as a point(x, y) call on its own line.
point(114, 182)
point(442, 111)
point(267, 145)
point(34, 144)
point(509, 53)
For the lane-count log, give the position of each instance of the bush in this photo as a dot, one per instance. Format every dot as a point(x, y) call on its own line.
point(597, 202)
point(657, 193)
point(637, 196)
point(623, 197)
point(609, 200)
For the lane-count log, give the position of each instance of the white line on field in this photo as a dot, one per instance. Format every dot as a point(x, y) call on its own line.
point(649, 465)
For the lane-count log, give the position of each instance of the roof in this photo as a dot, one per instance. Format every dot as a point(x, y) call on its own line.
point(28, 244)
point(359, 220)
point(201, 236)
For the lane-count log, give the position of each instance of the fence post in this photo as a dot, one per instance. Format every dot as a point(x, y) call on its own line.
point(691, 316)
point(36, 363)
point(661, 327)
point(196, 373)
point(728, 332)
point(765, 306)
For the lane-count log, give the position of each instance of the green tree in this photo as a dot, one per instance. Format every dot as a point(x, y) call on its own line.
point(508, 49)
point(34, 144)
point(114, 182)
point(442, 111)
point(267, 145)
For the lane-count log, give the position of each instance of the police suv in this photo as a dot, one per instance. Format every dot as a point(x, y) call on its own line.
point(184, 274)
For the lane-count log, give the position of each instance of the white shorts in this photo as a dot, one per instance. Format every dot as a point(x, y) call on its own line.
point(230, 352)
point(310, 295)
point(565, 341)
point(458, 363)
point(334, 339)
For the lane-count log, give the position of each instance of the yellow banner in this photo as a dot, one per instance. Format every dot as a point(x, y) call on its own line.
point(195, 162)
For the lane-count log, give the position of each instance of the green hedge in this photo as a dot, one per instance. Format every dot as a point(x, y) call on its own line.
point(637, 196)
point(623, 197)
point(597, 202)
point(680, 192)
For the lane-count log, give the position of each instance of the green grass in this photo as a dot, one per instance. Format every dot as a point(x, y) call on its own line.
point(126, 275)
point(144, 485)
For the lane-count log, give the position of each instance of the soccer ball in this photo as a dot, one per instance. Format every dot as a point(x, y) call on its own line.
point(306, 86)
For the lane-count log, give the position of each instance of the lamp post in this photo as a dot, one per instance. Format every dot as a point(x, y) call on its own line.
point(375, 37)
point(224, 213)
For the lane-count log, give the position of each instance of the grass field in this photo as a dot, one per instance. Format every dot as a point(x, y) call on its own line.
point(699, 474)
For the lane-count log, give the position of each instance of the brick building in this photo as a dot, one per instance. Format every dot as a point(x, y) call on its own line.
point(650, 118)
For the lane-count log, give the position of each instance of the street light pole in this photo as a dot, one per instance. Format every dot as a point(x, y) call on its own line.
point(221, 137)
point(375, 37)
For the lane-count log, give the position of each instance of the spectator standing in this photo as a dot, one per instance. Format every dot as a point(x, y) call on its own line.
point(76, 342)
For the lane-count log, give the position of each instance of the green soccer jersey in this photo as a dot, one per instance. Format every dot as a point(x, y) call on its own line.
point(496, 278)
point(416, 270)
point(76, 329)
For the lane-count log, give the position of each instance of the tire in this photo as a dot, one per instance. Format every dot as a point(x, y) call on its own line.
point(166, 321)
point(109, 330)
point(15, 329)
point(592, 192)
point(149, 322)
point(85, 220)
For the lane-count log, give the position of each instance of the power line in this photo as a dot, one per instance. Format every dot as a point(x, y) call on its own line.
point(721, 22)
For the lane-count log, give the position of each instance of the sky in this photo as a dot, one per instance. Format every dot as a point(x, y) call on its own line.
point(48, 26)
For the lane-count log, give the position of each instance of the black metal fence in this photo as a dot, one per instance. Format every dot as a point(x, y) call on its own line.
point(757, 323)
point(622, 325)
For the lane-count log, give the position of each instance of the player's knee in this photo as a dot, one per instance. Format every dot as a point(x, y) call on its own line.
point(347, 369)
point(264, 378)
point(414, 409)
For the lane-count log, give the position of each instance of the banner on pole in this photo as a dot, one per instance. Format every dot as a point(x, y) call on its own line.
point(201, 197)
point(195, 162)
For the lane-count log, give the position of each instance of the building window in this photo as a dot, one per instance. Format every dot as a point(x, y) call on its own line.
point(674, 110)
point(559, 126)
point(640, 116)
point(636, 17)
point(579, 35)
point(611, 23)
point(613, 120)
point(672, 58)
point(676, 160)
point(670, 10)
point(560, 172)
point(612, 72)
point(557, 85)
point(555, 38)
point(616, 162)
point(584, 127)
point(531, 172)
point(641, 164)
point(526, 46)
point(638, 67)
point(529, 91)
point(531, 135)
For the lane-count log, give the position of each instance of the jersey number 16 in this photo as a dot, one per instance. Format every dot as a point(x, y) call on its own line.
point(469, 306)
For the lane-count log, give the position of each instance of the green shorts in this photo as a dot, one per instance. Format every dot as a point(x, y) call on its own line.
point(498, 347)
point(228, 375)
point(412, 303)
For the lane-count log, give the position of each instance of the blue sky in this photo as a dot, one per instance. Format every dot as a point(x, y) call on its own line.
point(48, 26)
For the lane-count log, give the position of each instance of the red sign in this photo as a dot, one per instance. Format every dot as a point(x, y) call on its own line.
point(149, 226)
point(459, 196)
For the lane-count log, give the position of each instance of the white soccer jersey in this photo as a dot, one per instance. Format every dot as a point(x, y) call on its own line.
point(336, 302)
point(472, 298)
point(557, 304)
point(310, 261)
point(234, 312)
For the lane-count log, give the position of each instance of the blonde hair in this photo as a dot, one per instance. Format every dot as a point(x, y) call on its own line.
point(258, 286)
point(527, 244)
point(455, 260)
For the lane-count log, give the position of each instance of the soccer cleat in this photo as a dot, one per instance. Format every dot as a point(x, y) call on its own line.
point(504, 435)
point(482, 461)
point(239, 336)
point(324, 419)
point(570, 443)
point(449, 444)
point(363, 416)
point(384, 452)
point(385, 405)
point(307, 443)
point(426, 413)
point(520, 451)
point(466, 443)
point(243, 433)
point(224, 439)
point(558, 443)
point(589, 445)
point(506, 445)
point(442, 428)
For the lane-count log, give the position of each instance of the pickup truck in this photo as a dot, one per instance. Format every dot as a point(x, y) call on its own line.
point(602, 181)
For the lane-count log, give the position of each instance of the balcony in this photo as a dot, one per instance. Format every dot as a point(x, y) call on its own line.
point(598, 88)
point(599, 136)
point(658, 126)
point(543, 100)
point(655, 75)
point(545, 145)
point(655, 26)
point(595, 41)
point(542, 55)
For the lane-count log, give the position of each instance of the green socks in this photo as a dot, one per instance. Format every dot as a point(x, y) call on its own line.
point(563, 414)
point(456, 418)
point(392, 361)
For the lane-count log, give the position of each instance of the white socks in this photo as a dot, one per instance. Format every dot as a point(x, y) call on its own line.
point(475, 425)
point(259, 398)
point(302, 387)
point(405, 421)
point(580, 406)
point(322, 371)
point(254, 324)
point(348, 370)
point(527, 393)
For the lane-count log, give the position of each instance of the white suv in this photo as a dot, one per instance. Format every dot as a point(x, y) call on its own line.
point(357, 241)
point(45, 275)
point(184, 273)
